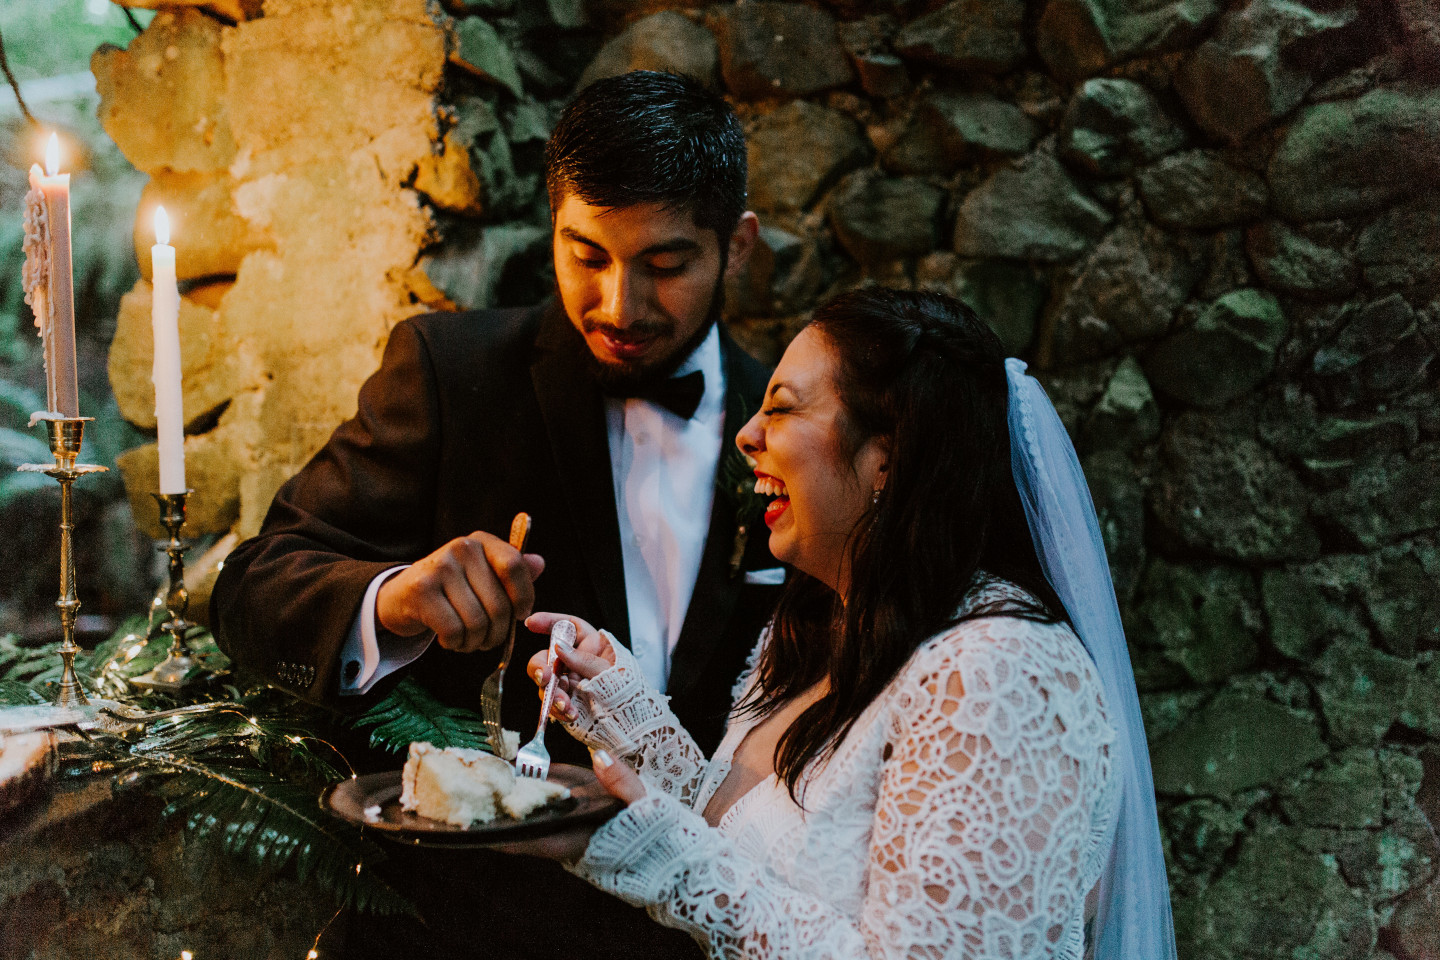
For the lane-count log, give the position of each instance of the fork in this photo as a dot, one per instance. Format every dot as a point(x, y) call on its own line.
point(494, 685)
point(533, 760)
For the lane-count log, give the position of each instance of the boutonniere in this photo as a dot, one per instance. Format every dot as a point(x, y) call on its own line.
point(735, 483)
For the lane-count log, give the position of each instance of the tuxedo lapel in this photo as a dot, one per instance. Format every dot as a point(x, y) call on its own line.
point(717, 586)
point(574, 414)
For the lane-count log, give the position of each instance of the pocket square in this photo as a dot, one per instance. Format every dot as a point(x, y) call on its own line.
point(770, 577)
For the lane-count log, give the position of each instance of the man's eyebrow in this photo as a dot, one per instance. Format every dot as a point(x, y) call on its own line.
point(678, 245)
point(570, 233)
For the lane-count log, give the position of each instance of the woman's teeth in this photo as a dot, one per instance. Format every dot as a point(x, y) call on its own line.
point(769, 487)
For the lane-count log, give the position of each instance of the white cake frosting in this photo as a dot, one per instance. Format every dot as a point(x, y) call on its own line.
point(462, 786)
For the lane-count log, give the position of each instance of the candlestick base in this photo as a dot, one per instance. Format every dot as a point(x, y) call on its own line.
point(66, 434)
point(173, 674)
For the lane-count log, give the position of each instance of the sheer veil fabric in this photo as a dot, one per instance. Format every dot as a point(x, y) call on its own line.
point(1133, 920)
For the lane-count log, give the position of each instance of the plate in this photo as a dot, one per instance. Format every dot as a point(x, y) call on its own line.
point(588, 803)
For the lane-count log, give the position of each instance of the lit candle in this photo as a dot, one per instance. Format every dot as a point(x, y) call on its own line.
point(165, 321)
point(49, 282)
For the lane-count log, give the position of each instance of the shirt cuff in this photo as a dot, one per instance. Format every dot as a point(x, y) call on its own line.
point(371, 652)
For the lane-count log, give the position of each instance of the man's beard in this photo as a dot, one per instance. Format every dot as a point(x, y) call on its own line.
point(623, 379)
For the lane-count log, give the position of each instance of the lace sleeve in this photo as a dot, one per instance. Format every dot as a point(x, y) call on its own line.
point(983, 827)
point(618, 711)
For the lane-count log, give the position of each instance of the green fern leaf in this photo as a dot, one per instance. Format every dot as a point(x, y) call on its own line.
point(410, 714)
point(272, 823)
point(13, 693)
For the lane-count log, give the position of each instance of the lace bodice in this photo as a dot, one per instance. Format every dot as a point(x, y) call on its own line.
point(966, 814)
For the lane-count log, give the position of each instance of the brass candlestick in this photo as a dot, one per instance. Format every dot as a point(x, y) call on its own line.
point(66, 435)
point(169, 675)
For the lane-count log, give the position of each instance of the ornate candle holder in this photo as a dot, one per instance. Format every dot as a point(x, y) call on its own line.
point(66, 435)
point(169, 675)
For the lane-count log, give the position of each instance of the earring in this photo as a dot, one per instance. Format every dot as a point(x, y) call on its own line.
point(875, 498)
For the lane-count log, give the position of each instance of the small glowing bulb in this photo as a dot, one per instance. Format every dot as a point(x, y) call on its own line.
point(312, 955)
point(293, 739)
point(186, 955)
point(52, 166)
point(162, 226)
point(134, 651)
point(357, 869)
point(220, 566)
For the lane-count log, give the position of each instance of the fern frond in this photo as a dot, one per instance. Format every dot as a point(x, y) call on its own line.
point(13, 693)
point(410, 714)
point(269, 822)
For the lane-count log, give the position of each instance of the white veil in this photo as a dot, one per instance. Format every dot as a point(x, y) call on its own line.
point(1133, 921)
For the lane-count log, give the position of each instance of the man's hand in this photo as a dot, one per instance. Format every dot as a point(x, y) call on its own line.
point(468, 592)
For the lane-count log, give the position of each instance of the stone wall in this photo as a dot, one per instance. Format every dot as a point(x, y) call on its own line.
point(1209, 226)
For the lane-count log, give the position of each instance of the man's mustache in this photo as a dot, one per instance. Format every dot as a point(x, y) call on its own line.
point(643, 330)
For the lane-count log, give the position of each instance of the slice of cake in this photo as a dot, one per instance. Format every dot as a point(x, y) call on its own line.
point(464, 786)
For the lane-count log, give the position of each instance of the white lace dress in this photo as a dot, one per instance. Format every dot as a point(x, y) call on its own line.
point(946, 824)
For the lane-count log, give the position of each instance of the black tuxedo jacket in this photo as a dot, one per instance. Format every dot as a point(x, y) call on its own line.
point(472, 418)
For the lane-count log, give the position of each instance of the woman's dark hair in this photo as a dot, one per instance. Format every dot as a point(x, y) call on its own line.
point(647, 137)
point(924, 372)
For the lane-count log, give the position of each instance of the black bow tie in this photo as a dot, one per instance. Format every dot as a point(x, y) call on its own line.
point(679, 395)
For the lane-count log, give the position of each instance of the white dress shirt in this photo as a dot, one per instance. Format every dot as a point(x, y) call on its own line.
point(663, 468)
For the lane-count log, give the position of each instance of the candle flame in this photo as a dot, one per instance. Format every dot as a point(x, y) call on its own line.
point(52, 155)
point(162, 225)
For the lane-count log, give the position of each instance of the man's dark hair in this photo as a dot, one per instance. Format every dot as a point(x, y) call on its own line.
point(647, 137)
point(925, 373)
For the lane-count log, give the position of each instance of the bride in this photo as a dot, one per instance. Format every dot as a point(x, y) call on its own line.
point(936, 751)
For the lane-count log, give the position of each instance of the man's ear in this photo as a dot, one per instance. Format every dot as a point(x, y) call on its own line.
point(742, 242)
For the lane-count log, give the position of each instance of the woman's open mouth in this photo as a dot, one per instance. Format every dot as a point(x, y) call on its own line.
point(768, 486)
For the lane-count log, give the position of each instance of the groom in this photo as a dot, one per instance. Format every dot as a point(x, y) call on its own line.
point(607, 415)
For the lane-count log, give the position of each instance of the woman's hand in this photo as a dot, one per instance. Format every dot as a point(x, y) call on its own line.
point(617, 779)
point(591, 655)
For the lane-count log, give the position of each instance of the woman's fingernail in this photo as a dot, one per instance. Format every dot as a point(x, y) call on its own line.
point(603, 759)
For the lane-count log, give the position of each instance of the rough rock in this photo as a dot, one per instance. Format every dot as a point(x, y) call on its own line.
point(233, 10)
point(1228, 351)
point(1113, 125)
point(951, 129)
point(176, 69)
point(1229, 747)
point(1346, 791)
point(212, 238)
point(482, 51)
point(1007, 296)
point(1202, 831)
point(882, 74)
point(1384, 863)
point(1207, 619)
point(1362, 691)
point(1127, 290)
point(1413, 928)
point(1078, 38)
point(449, 180)
point(1325, 165)
point(1279, 899)
point(1386, 499)
point(1378, 353)
point(1220, 491)
point(1126, 416)
point(1402, 247)
point(667, 41)
point(1248, 74)
point(779, 50)
point(1197, 190)
point(798, 273)
point(1401, 601)
point(1308, 605)
point(981, 35)
point(800, 150)
point(1354, 438)
point(879, 219)
point(1032, 210)
point(207, 360)
point(472, 271)
point(1120, 511)
point(1292, 263)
